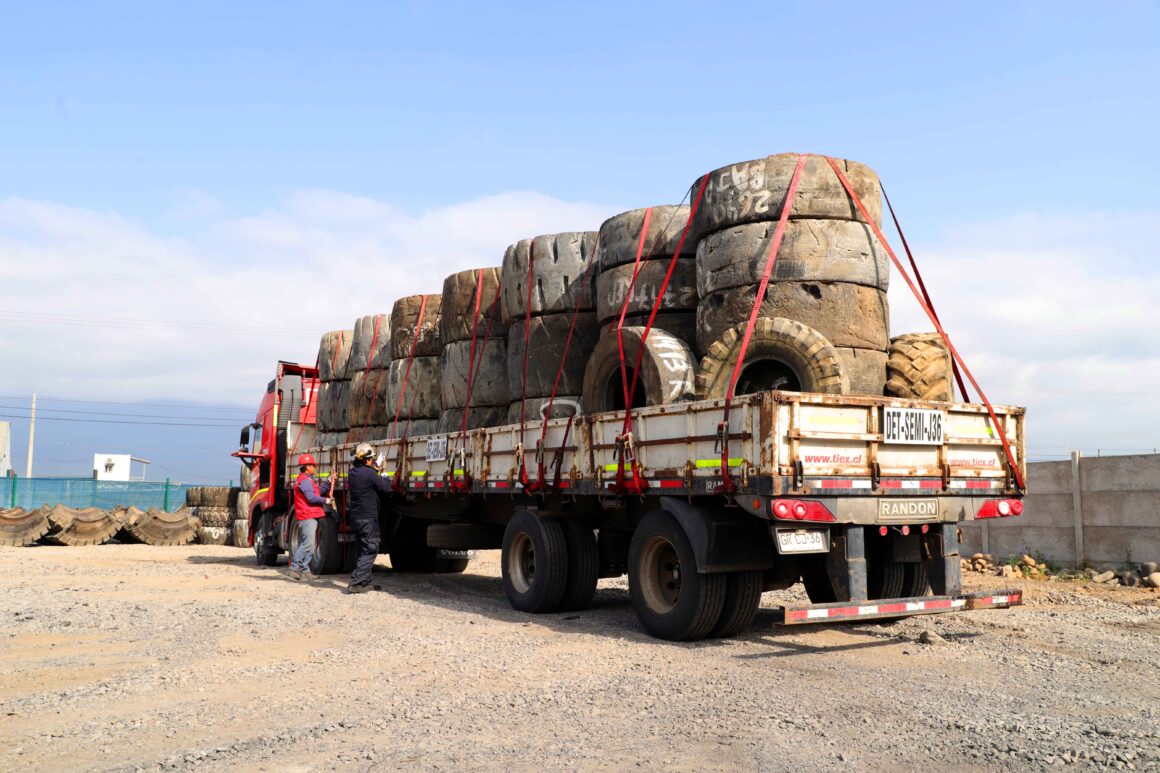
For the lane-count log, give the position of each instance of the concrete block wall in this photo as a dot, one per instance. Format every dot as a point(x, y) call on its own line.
point(1101, 509)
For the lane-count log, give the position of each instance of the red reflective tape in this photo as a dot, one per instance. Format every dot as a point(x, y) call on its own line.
point(438, 484)
point(938, 604)
point(845, 611)
point(978, 484)
point(500, 484)
point(672, 483)
point(796, 614)
point(890, 484)
point(837, 484)
point(930, 484)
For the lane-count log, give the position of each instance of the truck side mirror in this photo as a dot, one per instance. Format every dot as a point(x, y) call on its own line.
point(244, 442)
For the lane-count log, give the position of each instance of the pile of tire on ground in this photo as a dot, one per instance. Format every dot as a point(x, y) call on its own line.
point(158, 527)
point(474, 390)
point(240, 525)
point(414, 376)
point(334, 390)
point(824, 322)
point(547, 300)
point(368, 366)
point(214, 508)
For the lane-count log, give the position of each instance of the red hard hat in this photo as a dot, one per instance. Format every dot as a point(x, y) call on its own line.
point(306, 459)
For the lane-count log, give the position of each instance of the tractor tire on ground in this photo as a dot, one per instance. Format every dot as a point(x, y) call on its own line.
point(214, 535)
point(672, 600)
point(159, 528)
point(20, 527)
point(213, 516)
point(846, 314)
point(370, 345)
point(242, 508)
point(333, 354)
point(918, 367)
point(559, 275)
point(782, 354)
point(667, 371)
point(458, 320)
point(742, 597)
point(368, 399)
point(583, 564)
point(489, 378)
point(752, 191)
point(620, 235)
point(451, 420)
point(612, 287)
point(404, 317)
point(77, 528)
point(547, 336)
point(536, 408)
point(534, 563)
point(811, 251)
point(420, 397)
point(240, 537)
point(865, 368)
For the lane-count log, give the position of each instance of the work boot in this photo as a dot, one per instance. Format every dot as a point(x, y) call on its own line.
point(357, 588)
point(311, 576)
point(294, 574)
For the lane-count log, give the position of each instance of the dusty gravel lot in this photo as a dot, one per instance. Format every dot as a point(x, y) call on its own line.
point(125, 657)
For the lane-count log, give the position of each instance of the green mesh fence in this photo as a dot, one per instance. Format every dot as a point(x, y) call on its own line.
point(30, 493)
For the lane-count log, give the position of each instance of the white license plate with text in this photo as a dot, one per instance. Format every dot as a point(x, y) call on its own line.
point(912, 426)
point(803, 540)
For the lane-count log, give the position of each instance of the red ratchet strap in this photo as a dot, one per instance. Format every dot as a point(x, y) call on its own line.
point(464, 485)
point(727, 485)
point(934, 319)
point(374, 390)
point(522, 474)
point(398, 483)
point(638, 484)
point(922, 286)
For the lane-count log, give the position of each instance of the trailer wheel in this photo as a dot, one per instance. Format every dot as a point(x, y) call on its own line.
point(583, 564)
point(671, 599)
point(742, 597)
point(534, 563)
point(885, 579)
point(265, 548)
point(916, 583)
point(451, 565)
point(816, 580)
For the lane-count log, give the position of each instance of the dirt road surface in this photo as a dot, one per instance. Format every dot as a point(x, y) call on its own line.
point(129, 657)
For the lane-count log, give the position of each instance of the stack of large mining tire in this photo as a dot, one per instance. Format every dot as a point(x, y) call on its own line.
point(214, 508)
point(414, 381)
point(334, 392)
point(370, 360)
point(240, 525)
point(474, 352)
point(556, 269)
point(624, 284)
point(824, 323)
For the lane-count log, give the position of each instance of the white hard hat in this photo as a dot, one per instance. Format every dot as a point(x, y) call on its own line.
point(364, 451)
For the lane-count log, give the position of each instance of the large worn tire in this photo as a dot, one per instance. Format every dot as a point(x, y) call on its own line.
point(752, 191)
point(865, 369)
point(367, 434)
point(245, 476)
point(420, 398)
point(811, 251)
point(671, 599)
point(333, 354)
point(489, 379)
point(404, 317)
point(333, 404)
point(583, 564)
point(534, 563)
point(157, 527)
point(547, 336)
point(214, 535)
point(414, 428)
point(846, 314)
point(458, 318)
point(918, 367)
point(242, 506)
point(451, 420)
point(240, 533)
point(612, 288)
point(742, 597)
point(368, 399)
point(557, 275)
point(667, 371)
point(20, 527)
point(679, 324)
point(77, 528)
point(207, 496)
point(782, 354)
point(213, 516)
point(371, 344)
point(620, 235)
point(536, 408)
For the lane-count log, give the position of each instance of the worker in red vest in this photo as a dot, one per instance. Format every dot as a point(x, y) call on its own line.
point(309, 505)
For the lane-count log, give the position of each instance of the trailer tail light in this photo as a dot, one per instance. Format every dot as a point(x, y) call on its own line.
point(1000, 508)
point(801, 510)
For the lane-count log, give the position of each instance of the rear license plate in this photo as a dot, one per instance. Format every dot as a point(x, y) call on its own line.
point(803, 540)
point(907, 509)
point(346, 538)
point(912, 426)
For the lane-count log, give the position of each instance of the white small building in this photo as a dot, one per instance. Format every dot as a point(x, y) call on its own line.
point(5, 449)
point(117, 467)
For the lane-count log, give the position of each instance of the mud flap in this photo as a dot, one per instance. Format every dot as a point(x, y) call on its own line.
point(846, 563)
point(943, 567)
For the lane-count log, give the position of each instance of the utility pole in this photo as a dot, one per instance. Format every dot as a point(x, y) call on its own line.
point(31, 437)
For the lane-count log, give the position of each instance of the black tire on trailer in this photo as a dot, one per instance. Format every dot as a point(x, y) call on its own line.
point(916, 582)
point(811, 251)
point(755, 190)
point(559, 263)
point(583, 564)
point(816, 580)
point(547, 336)
point(612, 288)
point(672, 600)
point(333, 353)
point(413, 427)
point(535, 409)
point(742, 598)
point(489, 374)
point(782, 354)
point(918, 367)
point(667, 370)
point(865, 369)
point(451, 420)
point(534, 563)
point(365, 336)
point(884, 579)
point(404, 317)
point(620, 235)
point(679, 324)
point(265, 548)
point(458, 319)
point(421, 397)
point(465, 536)
point(367, 402)
point(20, 527)
point(846, 314)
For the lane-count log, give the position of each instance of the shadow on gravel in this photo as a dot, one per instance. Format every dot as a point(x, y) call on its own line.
point(240, 558)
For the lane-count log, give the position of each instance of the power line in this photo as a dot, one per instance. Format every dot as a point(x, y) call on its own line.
point(143, 324)
point(138, 403)
point(124, 415)
point(224, 425)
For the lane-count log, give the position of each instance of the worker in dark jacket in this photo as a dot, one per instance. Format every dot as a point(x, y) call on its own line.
point(365, 484)
point(309, 506)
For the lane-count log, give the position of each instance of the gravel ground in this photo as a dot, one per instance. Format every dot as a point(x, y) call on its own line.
point(127, 657)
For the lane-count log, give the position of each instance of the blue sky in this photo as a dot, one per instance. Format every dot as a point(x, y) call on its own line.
point(161, 157)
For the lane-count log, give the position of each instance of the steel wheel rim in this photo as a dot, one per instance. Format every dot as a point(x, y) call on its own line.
point(522, 563)
point(660, 575)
